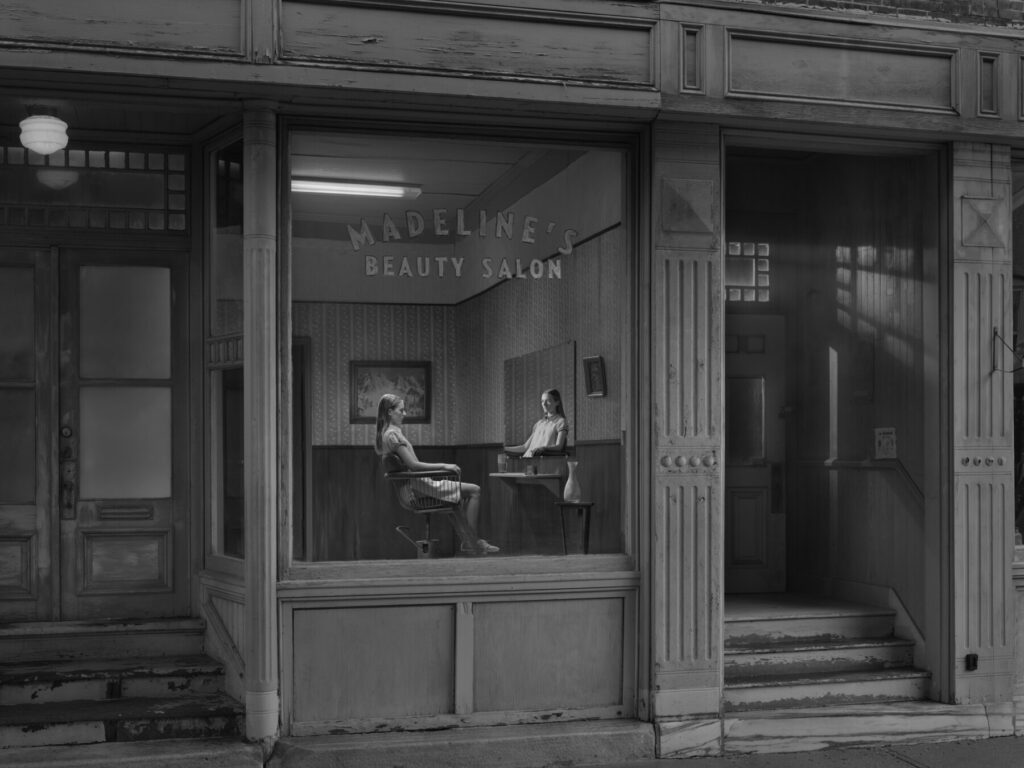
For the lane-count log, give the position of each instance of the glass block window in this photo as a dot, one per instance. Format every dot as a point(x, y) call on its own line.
point(98, 189)
point(747, 272)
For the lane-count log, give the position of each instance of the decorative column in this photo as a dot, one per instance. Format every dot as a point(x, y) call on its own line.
point(686, 514)
point(259, 276)
point(981, 390)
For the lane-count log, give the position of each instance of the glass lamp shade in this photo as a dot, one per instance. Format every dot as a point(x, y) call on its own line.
point(44, 134)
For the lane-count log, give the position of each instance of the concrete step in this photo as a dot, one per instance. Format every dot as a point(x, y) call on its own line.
point(766, 659)
point(837, 624)
point(166, 753)
point(82, 722)
point(88, 722)
point(819, 690)
point(40, 682)
point(67, 640)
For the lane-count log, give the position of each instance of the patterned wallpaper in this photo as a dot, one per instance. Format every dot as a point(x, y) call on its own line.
point(344, 332)
point(468, 345)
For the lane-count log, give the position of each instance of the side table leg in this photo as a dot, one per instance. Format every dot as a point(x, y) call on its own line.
point(585, 533)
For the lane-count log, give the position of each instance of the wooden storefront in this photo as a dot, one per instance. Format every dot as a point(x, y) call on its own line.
point(789, 218)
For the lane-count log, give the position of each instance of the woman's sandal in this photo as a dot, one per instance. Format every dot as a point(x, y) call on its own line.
point(481, 547)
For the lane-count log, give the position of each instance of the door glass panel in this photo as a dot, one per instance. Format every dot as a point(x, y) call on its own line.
point(744, 420)
point(233, 441)
point(125, 322)
point(17, 446)
point(125, 442)
point(225, 276)
point(17, 318)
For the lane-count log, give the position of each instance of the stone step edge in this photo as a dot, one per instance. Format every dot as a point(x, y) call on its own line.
point(46, 629)
point(28, 672)
point(224, 753)
point(797, 645)
point(867, 611)
point(827, 678)
point(106, 710)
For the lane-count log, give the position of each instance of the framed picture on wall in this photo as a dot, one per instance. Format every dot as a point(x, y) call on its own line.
point(593, 376)
point(368, 380)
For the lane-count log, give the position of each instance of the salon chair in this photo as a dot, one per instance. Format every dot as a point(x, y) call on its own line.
point(424, 494)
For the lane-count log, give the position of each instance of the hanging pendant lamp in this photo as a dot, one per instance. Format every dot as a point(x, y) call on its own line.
point(44, 134)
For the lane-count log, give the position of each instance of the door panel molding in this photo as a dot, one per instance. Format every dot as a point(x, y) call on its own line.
point(124, 556)
point(27, 546)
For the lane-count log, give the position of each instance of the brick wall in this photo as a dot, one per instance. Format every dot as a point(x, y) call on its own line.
point(981, 12)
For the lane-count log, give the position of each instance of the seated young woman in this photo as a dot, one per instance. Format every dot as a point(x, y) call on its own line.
point(549, 433)
point(397, 454)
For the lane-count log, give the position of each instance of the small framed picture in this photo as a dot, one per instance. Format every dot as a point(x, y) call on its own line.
point(593, 376)
point(368, 380)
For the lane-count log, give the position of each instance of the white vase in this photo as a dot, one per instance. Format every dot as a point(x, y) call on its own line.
point(572, 491)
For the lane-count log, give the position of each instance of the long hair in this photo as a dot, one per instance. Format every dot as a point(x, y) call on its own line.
point(557, 397)
point(384, 406)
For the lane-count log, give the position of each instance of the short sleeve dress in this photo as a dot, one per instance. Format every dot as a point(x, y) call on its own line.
point(441, 489)
point(545, 433)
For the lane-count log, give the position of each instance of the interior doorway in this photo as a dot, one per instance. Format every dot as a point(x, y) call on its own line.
point(755, 511)
point(93, 404)
point(831, 290)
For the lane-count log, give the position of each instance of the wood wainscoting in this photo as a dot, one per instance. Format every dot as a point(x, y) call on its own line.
point(354, 511)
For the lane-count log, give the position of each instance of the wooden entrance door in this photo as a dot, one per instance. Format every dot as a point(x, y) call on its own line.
point(755, 515)
point(104, 534)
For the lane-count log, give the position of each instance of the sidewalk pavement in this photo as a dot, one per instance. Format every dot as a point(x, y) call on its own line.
point(1000, 752)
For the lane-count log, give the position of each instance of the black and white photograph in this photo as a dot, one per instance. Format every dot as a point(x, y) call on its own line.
point(451, 384)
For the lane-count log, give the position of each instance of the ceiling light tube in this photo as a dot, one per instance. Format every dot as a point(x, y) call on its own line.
point(355, 188)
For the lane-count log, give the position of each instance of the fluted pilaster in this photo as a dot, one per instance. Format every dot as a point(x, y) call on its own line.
point(982, 423)
point(262, 700)
point(686, 515)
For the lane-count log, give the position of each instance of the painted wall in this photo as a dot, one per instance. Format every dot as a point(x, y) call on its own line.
point(865, 336)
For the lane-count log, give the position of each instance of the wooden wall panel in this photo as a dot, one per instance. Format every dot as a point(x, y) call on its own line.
point(373, 662)
point(498, 653)
point(450, 39)
point(687, 512)
point(354, 511)
point(981, 528)
point(830, 70)
point(529, 655)
point(139, 25)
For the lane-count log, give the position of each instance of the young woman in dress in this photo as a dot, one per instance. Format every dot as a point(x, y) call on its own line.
point(398, 455)
point(549, 433)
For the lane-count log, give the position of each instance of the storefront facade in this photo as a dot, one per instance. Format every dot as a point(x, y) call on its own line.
point(765, 257)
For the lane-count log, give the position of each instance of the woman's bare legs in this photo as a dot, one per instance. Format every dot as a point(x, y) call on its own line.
point(466, 520)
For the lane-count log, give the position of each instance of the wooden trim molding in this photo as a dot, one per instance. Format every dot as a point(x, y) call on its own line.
point(848, 71)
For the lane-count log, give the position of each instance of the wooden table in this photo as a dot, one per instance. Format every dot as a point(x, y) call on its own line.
point(552, 481)
point(583, 510)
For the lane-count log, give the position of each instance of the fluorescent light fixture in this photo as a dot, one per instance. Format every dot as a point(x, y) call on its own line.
point(355, 188)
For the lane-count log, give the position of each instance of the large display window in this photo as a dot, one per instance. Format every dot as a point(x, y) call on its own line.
point(480, 290)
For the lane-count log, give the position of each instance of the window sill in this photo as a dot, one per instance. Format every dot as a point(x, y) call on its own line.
point(478, 575)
